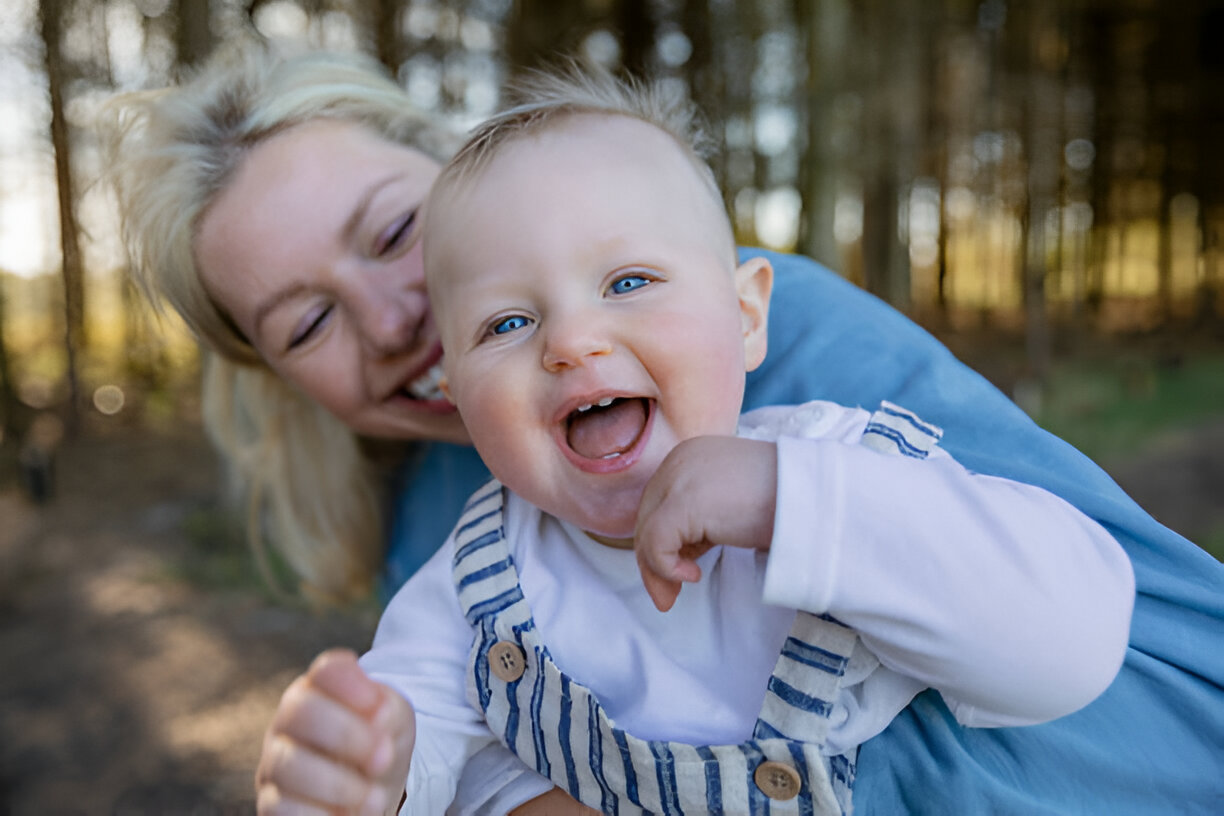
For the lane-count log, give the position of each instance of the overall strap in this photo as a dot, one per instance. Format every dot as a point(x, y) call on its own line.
point(895, 430)
point(484, 574)
point(802, 692)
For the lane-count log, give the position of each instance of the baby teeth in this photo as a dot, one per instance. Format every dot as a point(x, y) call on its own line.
point(603, 403)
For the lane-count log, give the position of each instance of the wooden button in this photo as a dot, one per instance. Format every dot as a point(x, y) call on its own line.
point(507, 660)
point(777, 780)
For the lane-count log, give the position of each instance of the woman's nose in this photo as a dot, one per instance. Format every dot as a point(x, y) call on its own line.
point(389, 319)
point(570, 342)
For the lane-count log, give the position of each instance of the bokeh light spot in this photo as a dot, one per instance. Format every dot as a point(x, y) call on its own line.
point(108, 399)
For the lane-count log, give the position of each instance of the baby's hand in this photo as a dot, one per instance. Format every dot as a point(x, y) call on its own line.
point(709, 490)
point(339, 743)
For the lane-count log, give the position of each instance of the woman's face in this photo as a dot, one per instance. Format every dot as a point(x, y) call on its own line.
point(314, 250)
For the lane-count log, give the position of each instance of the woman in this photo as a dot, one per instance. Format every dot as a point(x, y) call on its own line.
point(274, 208)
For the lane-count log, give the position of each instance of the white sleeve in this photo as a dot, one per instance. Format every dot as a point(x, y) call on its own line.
point(421, 649)
point(1004, 597)
point(495, 782)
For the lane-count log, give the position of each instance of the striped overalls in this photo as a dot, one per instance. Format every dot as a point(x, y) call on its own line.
point(557, 727)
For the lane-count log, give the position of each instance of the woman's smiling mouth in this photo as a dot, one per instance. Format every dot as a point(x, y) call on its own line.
point(426, 387)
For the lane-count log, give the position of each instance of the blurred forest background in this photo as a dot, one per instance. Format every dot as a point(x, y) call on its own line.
point(1045, 173)
point(1041, 184)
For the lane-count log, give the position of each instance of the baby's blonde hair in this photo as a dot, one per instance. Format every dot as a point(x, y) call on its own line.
point(541, 98)
point(170, 152)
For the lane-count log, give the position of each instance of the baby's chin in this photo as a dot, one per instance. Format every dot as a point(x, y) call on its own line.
point(607, 511)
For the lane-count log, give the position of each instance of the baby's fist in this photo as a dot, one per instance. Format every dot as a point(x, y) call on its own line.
point(709, 490)
point(339, 741)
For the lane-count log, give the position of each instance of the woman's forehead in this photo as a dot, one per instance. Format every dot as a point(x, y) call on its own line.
point(297, 198)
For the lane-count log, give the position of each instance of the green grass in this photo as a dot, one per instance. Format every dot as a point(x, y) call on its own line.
point(1112, 407)
point(1213, 543)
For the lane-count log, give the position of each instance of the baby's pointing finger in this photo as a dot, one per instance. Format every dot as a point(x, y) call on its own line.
point(660, 585)
point(662, 591)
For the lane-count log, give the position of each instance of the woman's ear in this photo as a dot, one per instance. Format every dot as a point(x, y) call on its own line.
point(754, 283)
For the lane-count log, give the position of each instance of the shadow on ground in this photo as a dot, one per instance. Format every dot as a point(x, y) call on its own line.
point(128, 689)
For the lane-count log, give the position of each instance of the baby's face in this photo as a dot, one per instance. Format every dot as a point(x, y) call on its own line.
point(591, 314)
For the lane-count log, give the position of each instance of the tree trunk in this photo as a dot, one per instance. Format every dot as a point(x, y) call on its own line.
point(885, 264)
point(1164, 251)
point(1044, 140)
point(826, 31)
point(385, 20)
point(637, 36)
point(8, 390)
point(536, 32)
point(193, 34)
point(50, 12)
point(702, 68)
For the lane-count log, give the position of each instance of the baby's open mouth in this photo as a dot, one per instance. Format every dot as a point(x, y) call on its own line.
point(606, 429)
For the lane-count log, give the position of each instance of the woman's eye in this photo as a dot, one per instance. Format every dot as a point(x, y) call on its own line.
point(309, 326)
point(395, 235)
point(628, 284)
point(509, 324)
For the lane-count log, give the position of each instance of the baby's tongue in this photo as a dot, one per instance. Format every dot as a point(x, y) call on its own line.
point(601, 432)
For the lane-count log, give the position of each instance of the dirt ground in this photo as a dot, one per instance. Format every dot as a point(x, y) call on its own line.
point(127, 687)
point(130, 687)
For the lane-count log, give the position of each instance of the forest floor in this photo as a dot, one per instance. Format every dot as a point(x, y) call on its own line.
point(137, 679)
point(140, 667)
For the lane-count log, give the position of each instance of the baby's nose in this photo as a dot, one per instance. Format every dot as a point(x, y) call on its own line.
point(569, 343)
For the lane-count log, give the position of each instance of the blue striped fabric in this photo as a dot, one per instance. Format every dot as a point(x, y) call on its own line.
point(892, 429)
point(536, 716)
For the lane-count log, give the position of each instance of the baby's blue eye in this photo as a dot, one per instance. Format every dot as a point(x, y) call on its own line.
point(628, 283)
point(509, 324)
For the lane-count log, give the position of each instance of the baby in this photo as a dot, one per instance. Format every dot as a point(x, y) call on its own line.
point(835, 562)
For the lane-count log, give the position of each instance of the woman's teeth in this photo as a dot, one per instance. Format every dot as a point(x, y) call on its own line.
point(425, 387)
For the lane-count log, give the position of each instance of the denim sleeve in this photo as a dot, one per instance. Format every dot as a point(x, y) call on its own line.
point(427, 498)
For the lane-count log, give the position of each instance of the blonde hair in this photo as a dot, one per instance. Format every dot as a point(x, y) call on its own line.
point(542, 97)
point(170, 152)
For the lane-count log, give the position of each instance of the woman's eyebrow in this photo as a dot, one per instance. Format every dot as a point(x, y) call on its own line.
point(269, 304)
point(363, 206)
point(347, 231)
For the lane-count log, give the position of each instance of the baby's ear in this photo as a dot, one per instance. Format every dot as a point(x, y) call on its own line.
point(754, 283)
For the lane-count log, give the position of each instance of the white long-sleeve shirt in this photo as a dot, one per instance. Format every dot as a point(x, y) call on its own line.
point(1003, 597)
